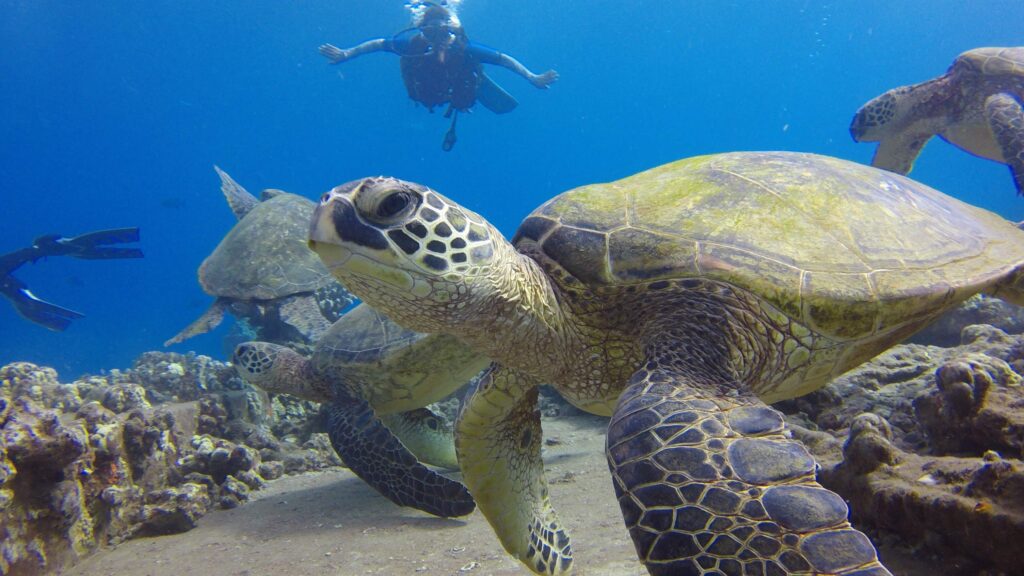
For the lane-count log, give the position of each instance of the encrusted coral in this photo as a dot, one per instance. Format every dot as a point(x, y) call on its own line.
point(979, 406)
point(972, 507)
point(138, 452)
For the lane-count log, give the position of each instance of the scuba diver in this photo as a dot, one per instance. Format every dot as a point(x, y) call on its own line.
point(440, 65)
point(91, 246)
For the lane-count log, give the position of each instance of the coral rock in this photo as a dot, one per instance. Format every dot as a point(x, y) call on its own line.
point(977, 407)
point(966, 506)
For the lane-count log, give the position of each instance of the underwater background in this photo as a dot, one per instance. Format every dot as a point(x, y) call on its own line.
point(113, 113)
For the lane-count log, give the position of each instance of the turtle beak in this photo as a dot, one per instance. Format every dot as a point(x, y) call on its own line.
point(324, 240)
point(350, 248)
point(321, 227)
point(857, 128)
point(336, 222)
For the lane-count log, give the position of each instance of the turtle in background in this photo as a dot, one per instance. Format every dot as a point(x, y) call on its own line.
point(975, 105)
point(679, 301)
point(263, 272)
point(377, 378)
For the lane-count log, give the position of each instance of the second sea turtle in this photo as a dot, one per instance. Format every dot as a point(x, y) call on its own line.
point(376, 378)
point(975, 105)
point(262, 271)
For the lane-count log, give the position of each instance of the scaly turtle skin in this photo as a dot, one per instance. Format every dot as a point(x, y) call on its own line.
point(366, 367)
point(678, 300)
point(263, 271)
point(975, 105)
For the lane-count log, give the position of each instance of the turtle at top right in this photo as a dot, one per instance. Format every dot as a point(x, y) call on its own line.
point(975, 105)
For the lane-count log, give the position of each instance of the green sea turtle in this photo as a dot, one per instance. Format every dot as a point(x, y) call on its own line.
point(366, 366)
point(263, 271)
point(975, 105)
point(678, 301)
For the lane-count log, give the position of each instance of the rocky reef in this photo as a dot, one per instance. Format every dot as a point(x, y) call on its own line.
point(143, 451)
point(925, 442)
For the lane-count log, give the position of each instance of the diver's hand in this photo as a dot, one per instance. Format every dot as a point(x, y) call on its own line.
point(544, 80)
point(334, 54)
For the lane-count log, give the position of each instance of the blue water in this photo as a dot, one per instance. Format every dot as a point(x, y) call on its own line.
point(113, 113)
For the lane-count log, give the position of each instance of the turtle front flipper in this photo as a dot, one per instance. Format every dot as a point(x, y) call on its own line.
point(1006, 119)
point(498, 438)
point(426, 435)
point(897, 152)
point(374, 454)
point(709, 481)
point(209, 320)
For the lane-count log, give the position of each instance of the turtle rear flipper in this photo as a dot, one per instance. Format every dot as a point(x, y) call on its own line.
point(209, 320)
point(374, 454)
point(1006, 119)
point(707, 477)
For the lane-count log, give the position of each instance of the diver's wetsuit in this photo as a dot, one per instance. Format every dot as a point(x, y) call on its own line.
point(434, 81)
point(89, 246)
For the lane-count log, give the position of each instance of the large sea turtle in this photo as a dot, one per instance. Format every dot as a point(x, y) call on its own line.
point(366, 366)
point(263, 271)
point(975, 105)
point(679, 301)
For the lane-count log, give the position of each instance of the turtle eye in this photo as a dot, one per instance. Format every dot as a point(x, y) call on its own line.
point(392, 205)
point(325, 198)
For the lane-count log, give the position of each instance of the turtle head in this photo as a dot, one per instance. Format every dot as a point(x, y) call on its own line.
point(406, 250)
point(277, 369)
point(877, 118)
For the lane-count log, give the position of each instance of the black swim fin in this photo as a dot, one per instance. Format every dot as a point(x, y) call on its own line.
point(41, 312)
point(449, 137)
point(494, 97)
point(90, 246)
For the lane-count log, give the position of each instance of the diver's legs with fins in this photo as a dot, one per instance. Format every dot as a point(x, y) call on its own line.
point(449, 137)
point(89, 246)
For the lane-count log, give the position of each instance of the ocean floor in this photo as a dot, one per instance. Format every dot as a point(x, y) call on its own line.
point(330, 522)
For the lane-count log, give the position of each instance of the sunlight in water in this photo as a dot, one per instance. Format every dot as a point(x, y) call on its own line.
point(418, 7)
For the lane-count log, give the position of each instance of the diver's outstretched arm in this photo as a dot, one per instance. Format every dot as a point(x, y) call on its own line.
point(32, 308)
point(492, 56)
point(338, 55)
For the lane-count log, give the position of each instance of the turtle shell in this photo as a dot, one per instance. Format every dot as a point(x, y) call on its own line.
point(845, 249)
point(265, 255)
point(991, 62)
point(395, 369)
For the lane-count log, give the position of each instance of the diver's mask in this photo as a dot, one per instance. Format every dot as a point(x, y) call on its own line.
point(439, 35)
